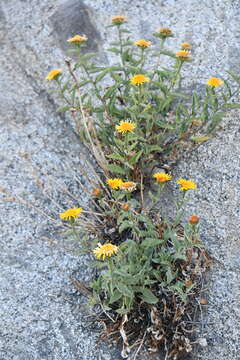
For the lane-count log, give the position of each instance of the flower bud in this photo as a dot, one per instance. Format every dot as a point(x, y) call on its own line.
point(96, 192)
point(125, 206)
point(193, 220)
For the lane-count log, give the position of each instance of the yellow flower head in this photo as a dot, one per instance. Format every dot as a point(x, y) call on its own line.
point(128, 185)
point(118, 20)
point(125, 126)
point(105, 250)
point(183, 54)
point(186, 184)
point(139, 79)
point(143, 43)
point(185, 45)
point(53, 74)
point(77, 39)
point(164, 32)
point(71, 214)
point(214, 82)
point(161, 177)
point(114, 183)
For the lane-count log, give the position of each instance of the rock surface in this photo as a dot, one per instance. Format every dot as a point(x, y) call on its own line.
point(41, 313)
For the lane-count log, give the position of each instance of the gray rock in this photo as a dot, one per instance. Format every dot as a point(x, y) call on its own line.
point(42, 316)
point(74, 17)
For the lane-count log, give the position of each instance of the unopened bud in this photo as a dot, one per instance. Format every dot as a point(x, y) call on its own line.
point(96, 192)
point(125, 206)
point(193, 220)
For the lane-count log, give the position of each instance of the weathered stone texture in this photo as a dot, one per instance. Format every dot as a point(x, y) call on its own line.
point(41, 315)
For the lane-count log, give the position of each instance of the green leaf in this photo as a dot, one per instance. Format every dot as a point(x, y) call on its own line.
point(116, 157)
point(116, 77)
point(83, 83)
point(101, 76)
point(168, 53)
point(200, 139)
point(182, 96)
point(134, 159)
point(99, 109)
point(170, 276)
point(110, 91)
point(148, 296)
point(114, 50)
point(125, 225)
point(115, 296)
point(124, 31)
point(63, 109)
point(149, 242)
point(122, 311)
point(124, 289)
point(96, 69)
point(116, 169)
point(152, 148)
point(234, 76)
point(231, 106)
point(88, 56)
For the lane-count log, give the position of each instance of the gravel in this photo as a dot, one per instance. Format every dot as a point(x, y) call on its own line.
point(42, 316)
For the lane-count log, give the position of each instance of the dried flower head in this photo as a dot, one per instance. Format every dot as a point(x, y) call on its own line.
point(214, 82)
point(71, 214)
point(186, 184)
point(53, 74)
point(106, 250)
point(77, 39)
point(164, 33)
point(118, 20)
point(114, 183)
point(143, 43)
point(129, 186)
point(125, 126)
point(183, 55)
point(125, 206)
point(139, 79)
point(96, 192)
point(196, 122)
point(162, 177)
point(193, 220)
point(185, 45)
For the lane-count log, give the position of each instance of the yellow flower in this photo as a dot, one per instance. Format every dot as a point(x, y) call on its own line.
point(125, 126)
point(105, 250)
point(185, 45)
point(164, 32)
point(128, 185)
point(214, 82)
point(143, 43)
point(77, 39)
point(186, 184)
point(71, 214)
point(53, 74)
point(117, 20)
point(183, 54)
point(114, 183)
point(161, 177)
point(139, 79)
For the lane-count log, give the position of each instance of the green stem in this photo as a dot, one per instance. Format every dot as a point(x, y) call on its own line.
point(121, 51)
point(110, 266)
point(174, 81)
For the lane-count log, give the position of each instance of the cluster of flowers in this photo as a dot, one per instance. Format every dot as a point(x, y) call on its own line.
point(183, 54)
point(108, 249)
